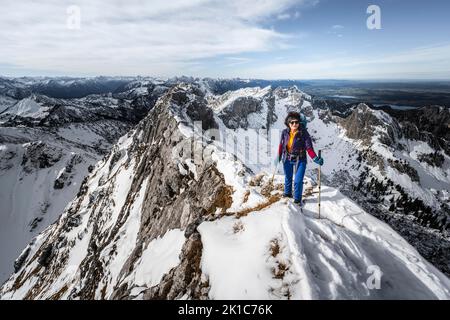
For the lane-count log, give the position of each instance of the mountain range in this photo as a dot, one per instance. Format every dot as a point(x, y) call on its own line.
point(110, 190)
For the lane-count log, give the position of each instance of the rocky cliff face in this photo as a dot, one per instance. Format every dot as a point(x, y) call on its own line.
point(403, 145)
point(173, 194)
point(364, 124)
point(430, 124)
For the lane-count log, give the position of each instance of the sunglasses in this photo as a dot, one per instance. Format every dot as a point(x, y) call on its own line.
point(293, 122)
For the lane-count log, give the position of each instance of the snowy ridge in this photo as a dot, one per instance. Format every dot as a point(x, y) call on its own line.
point(288, 254)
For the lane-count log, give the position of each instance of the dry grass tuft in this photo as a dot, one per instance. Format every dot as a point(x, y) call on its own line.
point(280, 271)
point(223, 199)
point(246, 195)
point(259, 207)
point(274, 247)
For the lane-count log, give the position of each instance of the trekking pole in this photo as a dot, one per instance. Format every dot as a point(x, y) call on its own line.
point(320, 155)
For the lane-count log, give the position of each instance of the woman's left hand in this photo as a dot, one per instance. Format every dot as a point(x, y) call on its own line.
point(318, 160)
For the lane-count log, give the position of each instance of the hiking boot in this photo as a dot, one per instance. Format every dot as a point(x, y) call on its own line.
point(287, 195)
point(299, 203)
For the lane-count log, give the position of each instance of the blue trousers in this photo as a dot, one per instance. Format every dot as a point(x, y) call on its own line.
point(298, 179)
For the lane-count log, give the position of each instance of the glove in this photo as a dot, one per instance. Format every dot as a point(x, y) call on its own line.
point(318, 160)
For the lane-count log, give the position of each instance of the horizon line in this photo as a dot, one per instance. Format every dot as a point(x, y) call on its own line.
point(231, 78)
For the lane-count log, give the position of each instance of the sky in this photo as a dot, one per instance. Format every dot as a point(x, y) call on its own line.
point(267, 39)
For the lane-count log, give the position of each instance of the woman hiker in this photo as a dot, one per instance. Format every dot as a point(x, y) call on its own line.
point(295, 142)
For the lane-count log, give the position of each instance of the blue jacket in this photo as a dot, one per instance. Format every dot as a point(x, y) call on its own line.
point(302, 143)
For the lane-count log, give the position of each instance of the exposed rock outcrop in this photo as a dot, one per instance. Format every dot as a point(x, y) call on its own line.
point(364, 123)
point(404, 167)
point(173, 199)
point(430, 124)
point(434, 159)
point(236, 115)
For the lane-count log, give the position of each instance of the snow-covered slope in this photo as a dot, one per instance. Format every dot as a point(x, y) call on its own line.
point(374, 160)
point(398, 157)
point(6, 102)
point(172, 214)
point(28, 107)
point(281, 253)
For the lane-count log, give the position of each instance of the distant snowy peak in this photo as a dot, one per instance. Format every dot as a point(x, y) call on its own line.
point(28, 108)
point(365, 124)
point(293, 95)
point(6, 102)
point(255, 107)
point(69, 87)
point(13, 88)
point(131, 105)
point(294, 92)
point(218, 103)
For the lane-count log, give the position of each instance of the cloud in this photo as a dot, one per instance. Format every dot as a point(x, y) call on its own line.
point(235, 61)
point(337, 30)
point(287, 16)
point(283, 16)
point(429, 62)
point(157, 37)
